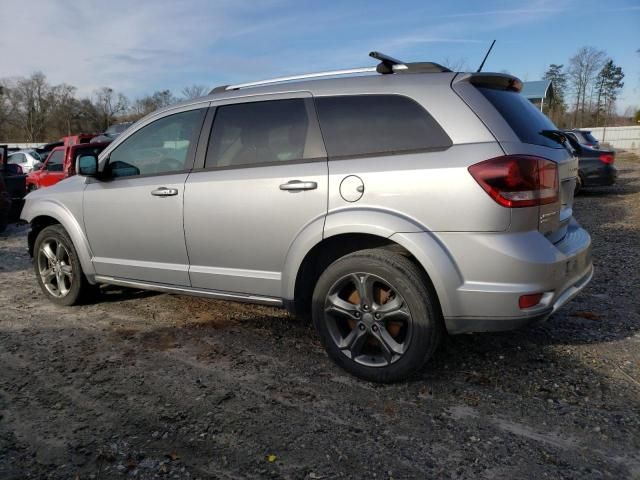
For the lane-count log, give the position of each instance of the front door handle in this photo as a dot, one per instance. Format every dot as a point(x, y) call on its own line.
point(295, 185)
point(164, 192)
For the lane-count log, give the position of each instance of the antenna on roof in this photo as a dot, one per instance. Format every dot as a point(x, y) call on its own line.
point(485, 57)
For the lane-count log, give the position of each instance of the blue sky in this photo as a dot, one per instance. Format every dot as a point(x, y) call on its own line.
point(140, 46)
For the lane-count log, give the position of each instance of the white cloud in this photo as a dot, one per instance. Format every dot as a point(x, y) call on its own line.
point(128, 45)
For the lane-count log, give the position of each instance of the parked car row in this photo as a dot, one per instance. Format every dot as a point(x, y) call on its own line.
point(55, 161)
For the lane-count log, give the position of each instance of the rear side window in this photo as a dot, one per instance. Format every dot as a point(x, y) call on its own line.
point(268, 132)
point(522, 116)
point(377, 124)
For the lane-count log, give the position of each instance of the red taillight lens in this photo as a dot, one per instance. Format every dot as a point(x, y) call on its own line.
point(518, 180)
point(607, 158)
point(528, 301)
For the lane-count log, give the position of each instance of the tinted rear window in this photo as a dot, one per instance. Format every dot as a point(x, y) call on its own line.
point(590, 138)
point(522, 116)
point(377, 124)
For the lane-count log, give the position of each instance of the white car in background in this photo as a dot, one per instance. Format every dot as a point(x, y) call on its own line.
point(27, 159)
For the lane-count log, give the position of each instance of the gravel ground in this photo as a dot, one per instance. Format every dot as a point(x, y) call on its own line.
point(147, 385)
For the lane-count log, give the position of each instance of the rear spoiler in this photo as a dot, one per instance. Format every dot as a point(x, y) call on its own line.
point(498, 81)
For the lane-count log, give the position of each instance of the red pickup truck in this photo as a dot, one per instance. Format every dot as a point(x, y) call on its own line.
point(60, 164)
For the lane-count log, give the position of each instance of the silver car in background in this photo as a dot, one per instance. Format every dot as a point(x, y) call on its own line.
point(389, 207)
point(27, 159)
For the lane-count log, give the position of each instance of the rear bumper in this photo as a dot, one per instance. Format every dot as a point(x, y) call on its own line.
point(466, 325)
point(497, 268)
point(599, 176)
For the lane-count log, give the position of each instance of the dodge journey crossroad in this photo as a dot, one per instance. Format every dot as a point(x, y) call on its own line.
point(390, 205)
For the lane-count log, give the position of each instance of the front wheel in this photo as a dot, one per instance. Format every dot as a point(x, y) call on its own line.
point(376, 315)
point(58, 268)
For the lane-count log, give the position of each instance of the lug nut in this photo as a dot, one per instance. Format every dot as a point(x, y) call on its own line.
point(361, 326)
point(377, 315)
point(374, 328)
point(366, 307)
point(357, 314)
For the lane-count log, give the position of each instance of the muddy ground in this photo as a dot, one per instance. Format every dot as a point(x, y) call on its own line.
point(146, 385)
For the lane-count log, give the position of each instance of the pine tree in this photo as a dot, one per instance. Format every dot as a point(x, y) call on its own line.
point(609, 82)
point(555, 73)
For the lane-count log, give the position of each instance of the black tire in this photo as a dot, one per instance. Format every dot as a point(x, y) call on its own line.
point(78, 289)
point(409, 288)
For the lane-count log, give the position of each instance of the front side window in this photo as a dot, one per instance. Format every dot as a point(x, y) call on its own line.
point(54, 164)
point(160, 147)
point(354, 125)
point(267, 132)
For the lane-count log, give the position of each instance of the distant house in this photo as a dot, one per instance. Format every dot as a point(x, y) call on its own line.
point(538, 92)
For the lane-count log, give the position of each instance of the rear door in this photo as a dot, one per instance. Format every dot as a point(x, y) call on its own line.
point(262, 183)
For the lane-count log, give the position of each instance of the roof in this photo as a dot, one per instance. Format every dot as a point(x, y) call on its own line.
point(537, 90)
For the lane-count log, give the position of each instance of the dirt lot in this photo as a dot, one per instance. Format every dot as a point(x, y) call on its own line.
point(150, 385)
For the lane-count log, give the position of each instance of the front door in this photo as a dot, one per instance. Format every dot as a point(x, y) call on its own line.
point(53, 170)
point(134, 219)
point(263, 184)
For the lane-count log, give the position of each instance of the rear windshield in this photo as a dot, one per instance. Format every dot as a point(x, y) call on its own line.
point(522, 116)
point(590, 138)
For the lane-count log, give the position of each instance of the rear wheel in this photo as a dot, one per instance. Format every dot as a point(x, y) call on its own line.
point(376, 315)
point(58, 268)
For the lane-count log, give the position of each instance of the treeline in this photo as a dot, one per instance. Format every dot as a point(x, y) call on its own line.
point(33, 110)
point(586, 90)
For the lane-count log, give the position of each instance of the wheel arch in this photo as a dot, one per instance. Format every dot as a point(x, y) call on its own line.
point(308, 259)
point(52, 213)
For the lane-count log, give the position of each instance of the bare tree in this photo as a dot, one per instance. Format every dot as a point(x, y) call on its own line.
point(150, 103)
point(64, 109)
point(456, 65)
point(194, 91)
point(109, 105)
point(30, 102)
point(583, 67)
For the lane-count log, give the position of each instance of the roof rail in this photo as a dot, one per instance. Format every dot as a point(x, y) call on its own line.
point(387, 65)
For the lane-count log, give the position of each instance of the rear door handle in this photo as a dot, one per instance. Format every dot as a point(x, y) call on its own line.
point(294, 185)
point(164, 192)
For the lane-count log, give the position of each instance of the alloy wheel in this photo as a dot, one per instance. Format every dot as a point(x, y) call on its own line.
point(54, 267)
point(368, 319)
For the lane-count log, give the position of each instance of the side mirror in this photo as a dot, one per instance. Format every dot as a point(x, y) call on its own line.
point(87, 165)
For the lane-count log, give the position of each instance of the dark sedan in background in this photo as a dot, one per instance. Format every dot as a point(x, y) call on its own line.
point(584, 137)
point(595, 166)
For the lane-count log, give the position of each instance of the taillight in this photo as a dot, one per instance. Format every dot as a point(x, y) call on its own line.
point(518, 180)
point(607, 158)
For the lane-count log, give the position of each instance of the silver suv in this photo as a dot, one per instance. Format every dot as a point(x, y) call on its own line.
point(389, 204)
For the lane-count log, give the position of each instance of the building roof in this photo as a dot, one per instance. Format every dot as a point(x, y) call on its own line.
point(537, 90)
